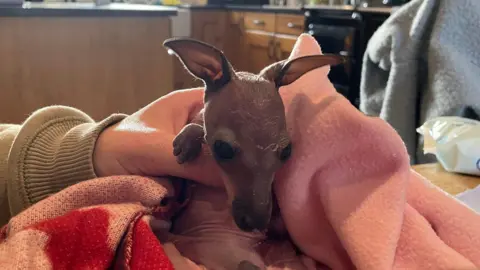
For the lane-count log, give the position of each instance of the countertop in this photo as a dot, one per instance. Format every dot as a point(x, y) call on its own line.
point(371, 10)
point(329, 7)
point(85, 10)
point(253, 8)
point(117, 9)
point(451, 183)
point(297, 10)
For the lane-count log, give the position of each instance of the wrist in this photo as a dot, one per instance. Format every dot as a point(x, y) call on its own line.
point(103, 157)
point(98, 158)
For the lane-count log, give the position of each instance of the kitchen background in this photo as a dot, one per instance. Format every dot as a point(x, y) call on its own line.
point(108, 57)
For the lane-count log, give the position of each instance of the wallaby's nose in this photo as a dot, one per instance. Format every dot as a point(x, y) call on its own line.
point(248, 217)
point(245, 223)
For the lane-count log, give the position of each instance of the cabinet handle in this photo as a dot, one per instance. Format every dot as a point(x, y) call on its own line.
point(241, 25)
point(292, 25)
point(356, 16)
point(344, 53)
point(278, 51)
point(258, 22)
point(271, 49)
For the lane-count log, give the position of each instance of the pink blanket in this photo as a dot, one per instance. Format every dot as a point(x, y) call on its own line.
point(347, 196)
point(350, 184)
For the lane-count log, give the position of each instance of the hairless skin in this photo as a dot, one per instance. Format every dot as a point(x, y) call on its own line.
point(243, 124)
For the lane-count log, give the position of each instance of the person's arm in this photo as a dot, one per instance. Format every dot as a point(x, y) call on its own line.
point(52, 150)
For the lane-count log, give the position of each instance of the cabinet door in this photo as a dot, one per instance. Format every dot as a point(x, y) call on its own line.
point(289, 24)
point(284, 46)
point(260, 49)
point(206, 26)
point(210, 27)
point(235, 48)
point(260, 21)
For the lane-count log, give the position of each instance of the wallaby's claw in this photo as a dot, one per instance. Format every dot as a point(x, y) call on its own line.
point(188, 143)
point(246, 265)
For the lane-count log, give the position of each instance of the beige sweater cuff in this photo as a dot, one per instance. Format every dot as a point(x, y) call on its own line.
point(53, 150)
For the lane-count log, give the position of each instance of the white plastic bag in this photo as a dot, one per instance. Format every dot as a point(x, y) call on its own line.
point(455, 141)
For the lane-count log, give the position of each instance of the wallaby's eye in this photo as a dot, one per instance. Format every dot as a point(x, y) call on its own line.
point(286, 153)
point(223, 150)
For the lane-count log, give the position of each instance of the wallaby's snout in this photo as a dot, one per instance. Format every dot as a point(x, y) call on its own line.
point(250, 214)
point(243, 124)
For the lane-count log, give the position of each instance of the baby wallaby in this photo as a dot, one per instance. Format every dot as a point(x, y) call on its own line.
point(243, 124)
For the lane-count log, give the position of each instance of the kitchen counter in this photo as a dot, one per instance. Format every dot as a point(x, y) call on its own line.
point(117, 9)
point(377, 10)
point(86, 9)
point(294, 10)
point(329, 7)
point(252, 8)
point(452, 183)
point(370, 10)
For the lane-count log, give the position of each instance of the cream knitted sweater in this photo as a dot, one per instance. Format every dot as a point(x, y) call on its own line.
point(50, 151)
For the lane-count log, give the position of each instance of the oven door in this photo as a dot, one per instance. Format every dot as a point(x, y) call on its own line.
point(340, 34)
point(336, 40)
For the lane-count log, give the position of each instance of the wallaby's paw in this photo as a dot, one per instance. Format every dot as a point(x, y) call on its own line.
point(246, 265)
point(188, 143)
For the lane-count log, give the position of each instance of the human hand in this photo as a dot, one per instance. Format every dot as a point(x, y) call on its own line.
point(141, 144)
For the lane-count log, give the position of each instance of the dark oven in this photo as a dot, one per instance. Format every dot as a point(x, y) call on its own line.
point(340, 32)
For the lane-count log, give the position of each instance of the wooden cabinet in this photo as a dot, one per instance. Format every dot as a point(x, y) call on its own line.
point(259, 21)
point(250, 40)
point(268, 37)
point(260, 50)
point(209, 27)
point(289, 24)
point(236, 45)
point(284, 46)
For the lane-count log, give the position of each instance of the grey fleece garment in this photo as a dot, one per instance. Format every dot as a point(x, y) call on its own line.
point(423, 62)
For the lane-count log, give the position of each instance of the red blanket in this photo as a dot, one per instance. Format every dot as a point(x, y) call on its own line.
point(97, 224)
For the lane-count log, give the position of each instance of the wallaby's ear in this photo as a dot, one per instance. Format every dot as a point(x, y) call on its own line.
point(201, 60)
point(287, 71)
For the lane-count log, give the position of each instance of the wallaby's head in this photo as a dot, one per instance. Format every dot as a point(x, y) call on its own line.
point(245, 126)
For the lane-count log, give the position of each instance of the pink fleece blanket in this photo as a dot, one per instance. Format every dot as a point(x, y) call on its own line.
point(350, 184)
point(348, 198)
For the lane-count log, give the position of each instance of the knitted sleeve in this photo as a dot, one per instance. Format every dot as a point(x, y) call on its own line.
point(52, 150)
point(7, 135)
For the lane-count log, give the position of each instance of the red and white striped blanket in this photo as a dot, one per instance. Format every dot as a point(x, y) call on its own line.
point(98, 224)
